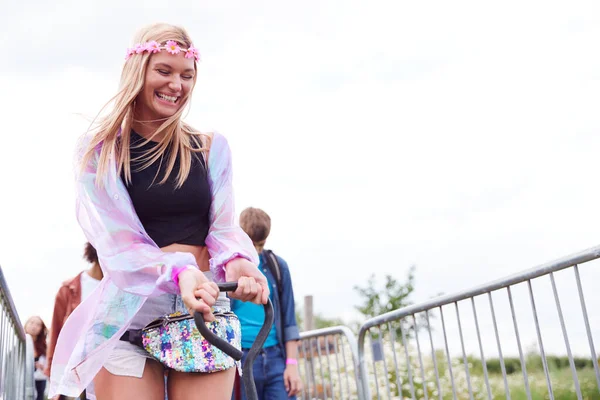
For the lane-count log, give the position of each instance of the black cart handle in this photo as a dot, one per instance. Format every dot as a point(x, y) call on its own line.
point(225, 347)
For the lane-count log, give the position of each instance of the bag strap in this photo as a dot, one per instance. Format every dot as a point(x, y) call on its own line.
point(133, 336)
point(273, 264)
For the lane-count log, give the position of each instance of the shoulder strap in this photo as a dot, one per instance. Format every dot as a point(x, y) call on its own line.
point(273, 264)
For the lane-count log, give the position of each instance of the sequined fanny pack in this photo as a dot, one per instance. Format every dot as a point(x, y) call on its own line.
point(224, 335)
point(176, 342)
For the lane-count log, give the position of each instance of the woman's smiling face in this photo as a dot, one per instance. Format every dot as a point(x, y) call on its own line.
point(169, 81)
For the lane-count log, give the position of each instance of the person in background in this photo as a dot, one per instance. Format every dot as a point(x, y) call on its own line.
point(69, 296)
point(36, 328)
point(276, 368)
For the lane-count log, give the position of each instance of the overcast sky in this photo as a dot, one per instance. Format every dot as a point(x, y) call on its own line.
point(460, 137)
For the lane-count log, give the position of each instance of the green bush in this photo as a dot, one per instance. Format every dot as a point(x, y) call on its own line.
point(512, 365)
point(534, 364)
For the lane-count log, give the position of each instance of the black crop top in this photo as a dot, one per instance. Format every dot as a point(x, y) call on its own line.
point(170, 215)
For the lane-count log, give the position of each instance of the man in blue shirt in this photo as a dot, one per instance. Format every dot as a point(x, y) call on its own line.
point(275, 370)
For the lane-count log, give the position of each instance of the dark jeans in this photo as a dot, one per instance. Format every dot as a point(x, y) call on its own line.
point(268, 374)
point(40, 387)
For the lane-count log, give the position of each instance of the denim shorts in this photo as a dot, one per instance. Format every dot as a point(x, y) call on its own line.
point(127, 359)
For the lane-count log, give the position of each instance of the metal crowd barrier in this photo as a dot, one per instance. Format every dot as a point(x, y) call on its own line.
point(16, 351)
point(328, 364)
point(398, 357)
point(401, 359)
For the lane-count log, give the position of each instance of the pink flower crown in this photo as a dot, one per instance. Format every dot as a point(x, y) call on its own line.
point(171, 47)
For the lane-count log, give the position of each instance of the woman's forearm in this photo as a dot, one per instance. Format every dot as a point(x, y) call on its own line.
point(291, 348)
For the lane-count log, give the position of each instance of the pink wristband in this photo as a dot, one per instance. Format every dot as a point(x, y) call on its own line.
point(291, 361)
point(178, 270)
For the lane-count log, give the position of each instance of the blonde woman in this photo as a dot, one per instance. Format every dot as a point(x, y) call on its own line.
point(154, 198)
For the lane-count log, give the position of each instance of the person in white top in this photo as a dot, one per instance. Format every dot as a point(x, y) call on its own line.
point(69, 296)
point(36, 328)
point(90, 281)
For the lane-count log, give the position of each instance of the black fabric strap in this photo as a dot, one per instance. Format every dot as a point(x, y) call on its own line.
point(133, 336)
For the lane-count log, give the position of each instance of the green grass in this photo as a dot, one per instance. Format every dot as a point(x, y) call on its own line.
point(563, 386)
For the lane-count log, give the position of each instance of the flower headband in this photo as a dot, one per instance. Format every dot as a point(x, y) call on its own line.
point(171, 47)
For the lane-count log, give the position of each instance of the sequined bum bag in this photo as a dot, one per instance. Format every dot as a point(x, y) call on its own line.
point(176, 342)
point(187, 343)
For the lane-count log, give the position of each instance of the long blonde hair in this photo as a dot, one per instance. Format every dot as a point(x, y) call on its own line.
point(112, 131)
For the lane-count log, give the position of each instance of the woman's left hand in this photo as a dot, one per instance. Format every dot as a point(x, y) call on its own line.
point(252, 284)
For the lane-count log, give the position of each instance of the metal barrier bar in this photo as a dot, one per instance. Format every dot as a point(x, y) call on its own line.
point(329, 365)
point(516, 326)
point(346, 368)
point(392, 334)
point(408, 368)
point(544, 269)
point(485, 372)
point(2, 343)
point(10, 309)
point(434, 358)
point(540, 342)
point(342, 341)
point(321, 368)
point(502, 366)
point(29, 369)
point(337, 364)
point(451, 379)
point(421, 366)
point(385, 370)
point(566, 337)
point(448, 356)
point(16, 355)
point(464, 353)
point(587, 325)
point(375, 371)
point(307, 372)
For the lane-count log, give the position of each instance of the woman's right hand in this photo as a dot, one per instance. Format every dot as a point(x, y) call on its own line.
point(198, 293)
